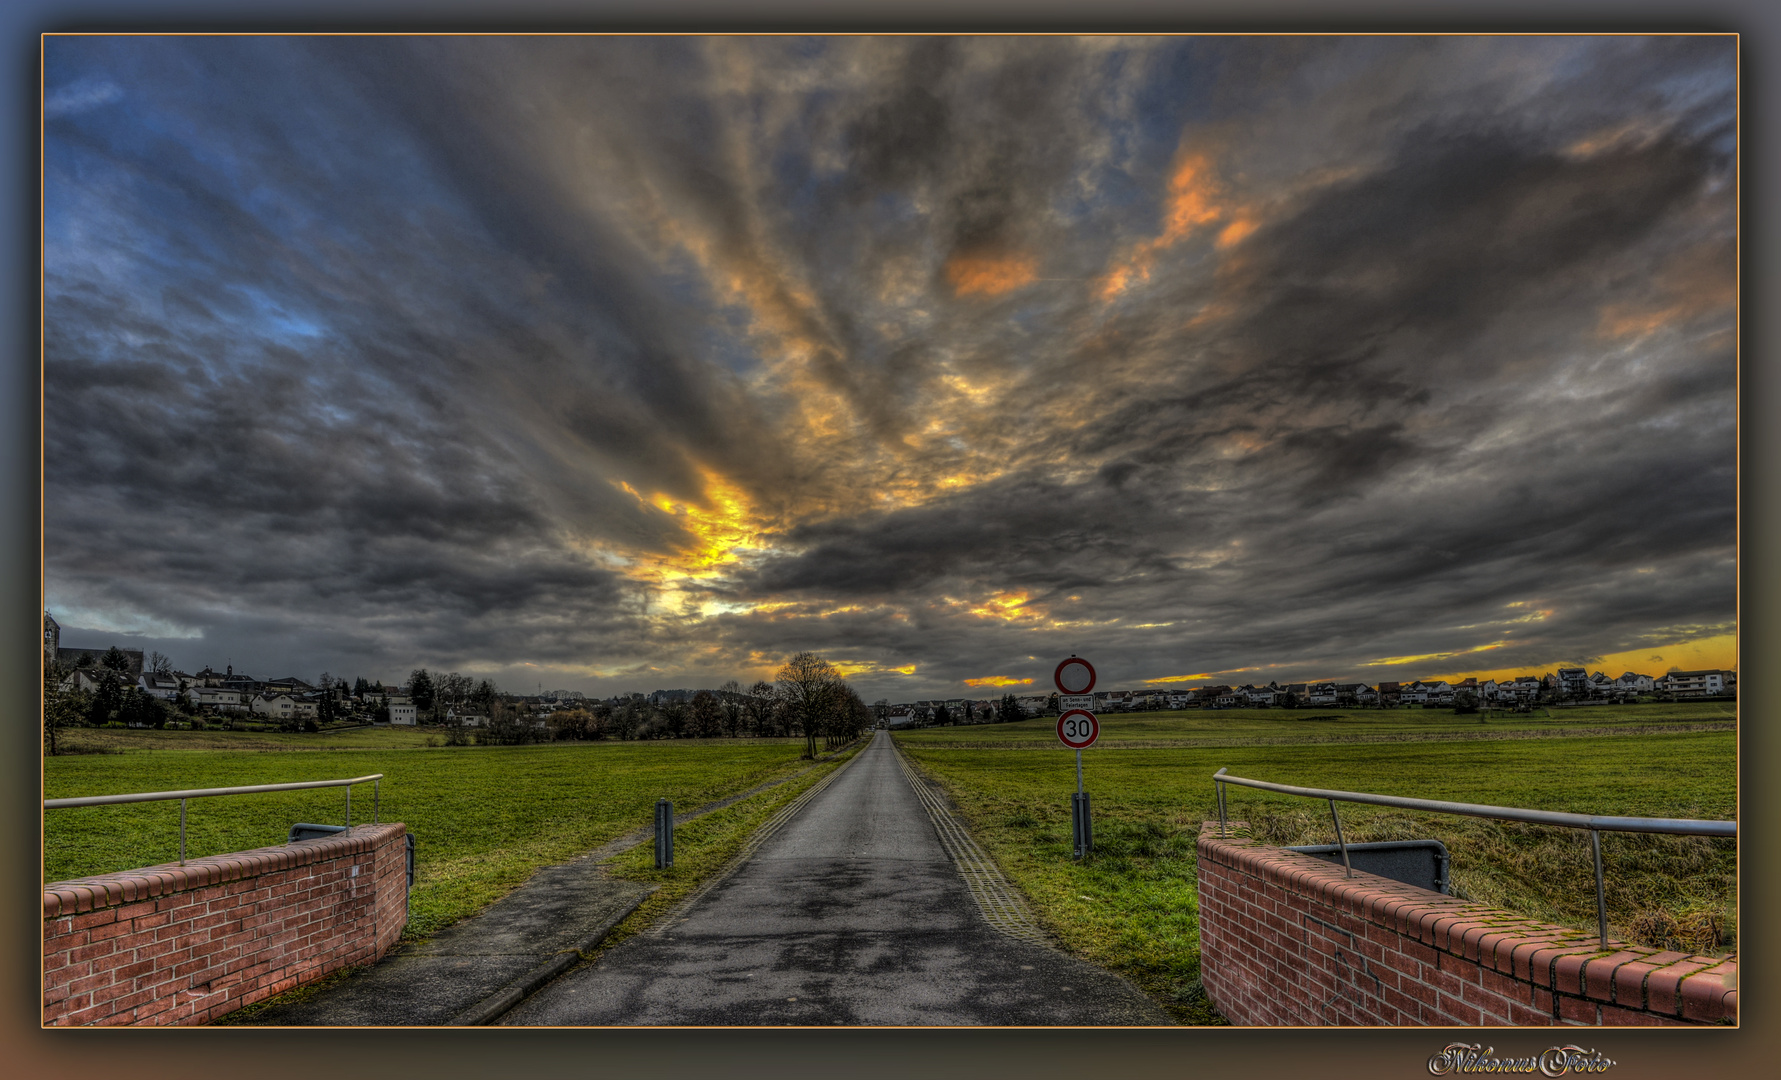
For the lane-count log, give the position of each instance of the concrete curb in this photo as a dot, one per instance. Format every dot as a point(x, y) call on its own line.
point(493, 1006)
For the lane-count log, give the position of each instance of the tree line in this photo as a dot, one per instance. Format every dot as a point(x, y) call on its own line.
point(807, 698)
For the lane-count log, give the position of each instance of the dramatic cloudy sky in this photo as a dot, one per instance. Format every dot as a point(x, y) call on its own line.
point(624, 363)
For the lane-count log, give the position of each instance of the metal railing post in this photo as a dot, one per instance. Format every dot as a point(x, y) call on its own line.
point(1601, 895)
point(1219, 784)
point(1594, 824)
point(376, 791)
point(182, 832)
point(349, 807)
point(1343, 844)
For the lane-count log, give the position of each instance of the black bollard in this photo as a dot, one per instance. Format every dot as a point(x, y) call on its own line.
point(664, 834)
point(1081, 824)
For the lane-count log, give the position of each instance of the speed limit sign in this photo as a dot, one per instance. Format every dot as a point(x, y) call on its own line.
point(1078, 729)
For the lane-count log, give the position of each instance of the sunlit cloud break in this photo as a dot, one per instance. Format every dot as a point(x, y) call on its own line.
point(648, 362)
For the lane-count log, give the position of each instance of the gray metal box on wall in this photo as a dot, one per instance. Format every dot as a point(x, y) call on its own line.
point(305, 831)
point(1422, 863)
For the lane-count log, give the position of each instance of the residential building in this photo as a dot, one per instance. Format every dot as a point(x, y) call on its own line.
point(1697, 683)
point(215, 699)
point(274, 705)
point(163, 686)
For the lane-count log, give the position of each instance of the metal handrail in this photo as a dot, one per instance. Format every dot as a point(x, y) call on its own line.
point(375, 780)
point(1596, 825)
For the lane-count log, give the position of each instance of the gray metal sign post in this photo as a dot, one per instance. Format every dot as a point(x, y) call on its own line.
point(1078, 729)
point(664, 834)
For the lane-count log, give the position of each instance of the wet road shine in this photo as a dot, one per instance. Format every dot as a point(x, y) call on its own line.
point(851, 914)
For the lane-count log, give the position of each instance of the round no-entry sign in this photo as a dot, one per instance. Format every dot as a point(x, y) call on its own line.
point(1074, 676)
point(1078, 729)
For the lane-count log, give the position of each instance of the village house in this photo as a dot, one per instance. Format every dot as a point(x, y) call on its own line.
point(163, 685)
point(274, 705)
point(1698, 683)
point(215, 699)
point(1572, 680)
point(463, 716)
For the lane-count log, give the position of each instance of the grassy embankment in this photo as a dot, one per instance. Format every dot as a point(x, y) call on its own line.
point(484, 817)
point(1131, 906)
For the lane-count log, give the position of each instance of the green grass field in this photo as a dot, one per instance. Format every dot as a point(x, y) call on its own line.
point(1131, 906)
point(484, 818)
point(1232, 727)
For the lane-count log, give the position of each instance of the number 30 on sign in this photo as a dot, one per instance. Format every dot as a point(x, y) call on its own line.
point(1078, 729)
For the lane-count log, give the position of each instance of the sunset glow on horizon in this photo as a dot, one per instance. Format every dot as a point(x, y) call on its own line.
point(605, 361)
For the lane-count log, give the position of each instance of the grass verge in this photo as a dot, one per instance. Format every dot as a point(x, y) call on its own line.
point(1132, 907)
point(704, 846)
point(484, 818)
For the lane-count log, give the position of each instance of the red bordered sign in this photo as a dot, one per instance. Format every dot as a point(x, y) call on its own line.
point(1074, 676)
point(1078, 729)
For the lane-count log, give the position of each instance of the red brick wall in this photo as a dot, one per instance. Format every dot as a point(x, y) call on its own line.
point(178, 944)
point(1288, 939)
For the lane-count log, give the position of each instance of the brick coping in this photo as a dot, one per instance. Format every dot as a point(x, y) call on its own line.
point(127, 886)
point(1555, 958)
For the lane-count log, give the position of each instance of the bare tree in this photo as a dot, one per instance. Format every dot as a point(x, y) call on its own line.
point(60, 709)
point(451, 690)
point(810, 687)
point(758, 709)
point(707, 715)
point(849, 719)
point(160, 664)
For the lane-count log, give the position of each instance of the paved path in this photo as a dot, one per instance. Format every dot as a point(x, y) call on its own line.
point(852, 913)
point(478, 968)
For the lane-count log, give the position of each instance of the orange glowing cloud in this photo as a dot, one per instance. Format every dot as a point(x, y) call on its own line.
point(997, 680)
point(1009, 606)
point(1701, 281)
point(989, 275)
point(1195, 199)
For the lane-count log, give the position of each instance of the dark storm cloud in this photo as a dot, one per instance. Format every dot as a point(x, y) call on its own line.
point(1203, 355)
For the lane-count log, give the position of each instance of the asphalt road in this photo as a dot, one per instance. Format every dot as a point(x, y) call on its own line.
point(851, 914)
